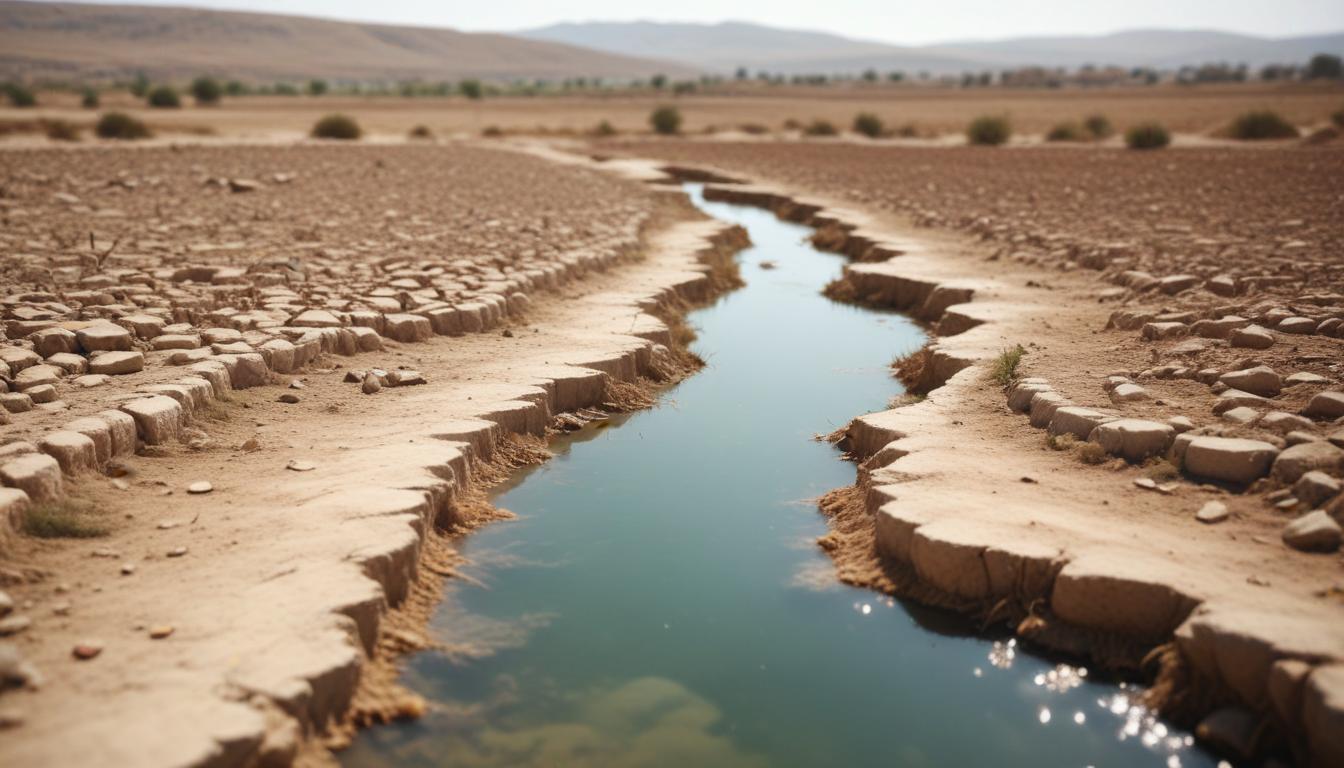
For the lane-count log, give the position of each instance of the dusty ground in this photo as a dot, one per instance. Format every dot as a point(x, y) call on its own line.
point(228, 625)
point(1083, 258)
point(931, 111)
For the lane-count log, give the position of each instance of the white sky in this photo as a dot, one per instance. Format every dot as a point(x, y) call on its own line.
point(893, 21)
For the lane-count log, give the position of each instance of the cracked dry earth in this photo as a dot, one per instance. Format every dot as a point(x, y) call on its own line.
point(323, 342)
point(1167, 463)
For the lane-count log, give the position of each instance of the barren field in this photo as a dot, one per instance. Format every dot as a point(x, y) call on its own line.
point(246, 386)
point(930, 111)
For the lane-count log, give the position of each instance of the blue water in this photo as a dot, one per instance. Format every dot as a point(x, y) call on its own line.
point(660, 600)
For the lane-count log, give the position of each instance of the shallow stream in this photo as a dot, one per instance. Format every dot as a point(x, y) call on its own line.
point(661, 600)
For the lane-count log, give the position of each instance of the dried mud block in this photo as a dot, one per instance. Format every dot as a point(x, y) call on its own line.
point(407, 328)
point(1077, 421)
point(99, 432)
point(122, 427)
point(104, 337)
point(117, 363)
point(1134, 439)
point(1323, 714)
point(158, 418)
point(75, 452)
point(369, 340)
point(1231, 459)
point(1297, 460)
point(214, 372)
point(1116, 592)
point(36, 474)
point(14, 503)
point(245, 371)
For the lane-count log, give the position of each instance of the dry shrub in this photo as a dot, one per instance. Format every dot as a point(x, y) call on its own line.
point(1092, 453)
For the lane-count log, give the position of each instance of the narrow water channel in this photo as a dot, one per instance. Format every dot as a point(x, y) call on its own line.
point(661, 601)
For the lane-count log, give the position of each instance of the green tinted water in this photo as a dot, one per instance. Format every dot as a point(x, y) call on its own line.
point(661, 601)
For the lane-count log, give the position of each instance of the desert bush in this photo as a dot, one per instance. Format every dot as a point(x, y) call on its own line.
point(1061, 442)
point(90, 99)
point(337, 126)
point(472, 89)
point(421, 132)
point(868, 124)
point(1160, 470)
point(206, 90)
point(989, 131)
point(1099, 126)
point(119, 125)
point(666, 120)
point(1004, 369)
point(1147, 136)
point(604, 129)
point(908, 131)
point(61, 130)
point(164, 97)
point(317, 87)
point(139, 86)
point(1066, 132)
point(1092, 453)
point(820, 128)
point(754, 129)
point(65, 519)
point(20, 95)
point(1262, 124)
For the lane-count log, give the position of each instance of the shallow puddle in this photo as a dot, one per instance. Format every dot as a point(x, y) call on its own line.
point(661, 601)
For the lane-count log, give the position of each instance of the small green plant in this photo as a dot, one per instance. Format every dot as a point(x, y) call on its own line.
point(90, 99)
point(1099, 126)
point(337, 126)
point(1260, 125)
point(666, 121)
point(820, 128)
point(989, 131)
point(604, 129)
point(421, 132)
point(121, 126)
point(164, 97)
point(1066, 132)
point(20, 95)
point(1092, 453)
point(1147, 136)
point(61, 130)
point(868, 124)
point(206, 91)
point(1004, 369)
point(65, 519)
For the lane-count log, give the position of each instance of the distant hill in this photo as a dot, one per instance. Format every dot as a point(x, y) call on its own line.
point(69, 40)
point(724, 47)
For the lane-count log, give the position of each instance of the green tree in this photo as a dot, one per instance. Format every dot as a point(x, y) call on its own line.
point(1323, 66)
point(317, 87)
point(472, 89)
point(206, 91)
point(164, 97)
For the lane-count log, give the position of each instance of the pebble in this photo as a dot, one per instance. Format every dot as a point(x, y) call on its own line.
point(371, 385)
point(129, 568)
point(200, 486)
point(288, 398)
point(177, 551)
point(249, 445)
point(160, 632)
point(1313, 532)
point(1212, 512)
point(13, 625)
point(6, 604)
point(87, 650)
point(299, 465)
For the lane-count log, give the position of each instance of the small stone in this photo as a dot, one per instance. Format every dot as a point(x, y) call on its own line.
point(6, 604)
point(87, 650)
point(61, 609)
point(1315, 488)
point(128, 568)
point(160, 632)
point(371, 385)
point(1313, 532)
point(353, 377)
point(1145, 483)
point(299, 465)
point(404, 378)
point(296, 384)
point(288, 398)
point(121, 485)
point(200, 486)
point(13, 625)
point(1212, 512)
point(1252, 337)
point(177, 551)
point(250, 445)
point(243, 185)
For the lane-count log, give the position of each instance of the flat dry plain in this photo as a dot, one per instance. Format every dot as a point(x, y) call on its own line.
point(259, 315)
point(932, 111)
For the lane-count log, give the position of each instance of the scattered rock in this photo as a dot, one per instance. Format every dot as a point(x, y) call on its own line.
point(87, 650)
point(1325, 405)
point(1313, 532)
point(1212, 512)
point(288, 398)
point(177, 551)
point(200, 486)
point(1235, 460)
point(299, 465)
point(1260, 380)
point(14, 624)
point(1252, 337)
point(160, 632)
point(371, 385)
point(1298, 460)
point(1315, 488)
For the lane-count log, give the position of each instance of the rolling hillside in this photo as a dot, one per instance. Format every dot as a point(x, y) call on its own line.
point(75, 41)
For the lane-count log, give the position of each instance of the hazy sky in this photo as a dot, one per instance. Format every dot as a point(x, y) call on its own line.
point(896, 21)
